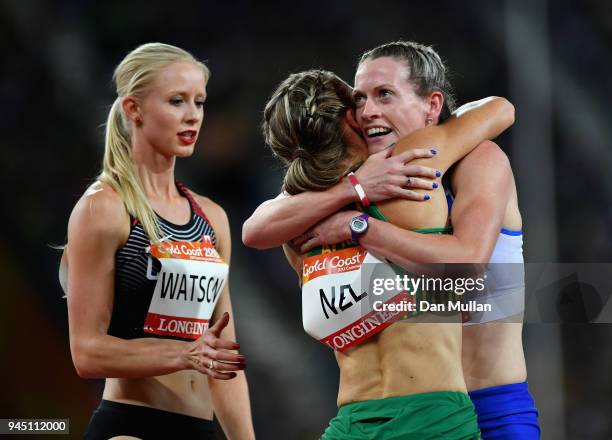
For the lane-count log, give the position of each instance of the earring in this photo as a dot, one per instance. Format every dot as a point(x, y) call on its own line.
point(428, 121)
point(138, 121)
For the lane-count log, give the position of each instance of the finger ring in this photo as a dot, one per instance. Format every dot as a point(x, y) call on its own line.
point(211, 365)
point(408, 180)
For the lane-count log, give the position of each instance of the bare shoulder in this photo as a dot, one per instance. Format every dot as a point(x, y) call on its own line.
point(488, 153)
point(100, 210)
point(215, 213)
point(486, 166)
point(487, 156)
point(219, 222)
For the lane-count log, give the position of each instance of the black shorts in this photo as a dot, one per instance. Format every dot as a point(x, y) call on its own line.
point(113, 418)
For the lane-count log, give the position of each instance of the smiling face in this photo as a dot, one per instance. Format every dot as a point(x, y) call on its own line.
point(387, 107)
point(173, 109)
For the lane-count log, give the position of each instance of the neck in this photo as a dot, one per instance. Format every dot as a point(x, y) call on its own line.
point(155, 170)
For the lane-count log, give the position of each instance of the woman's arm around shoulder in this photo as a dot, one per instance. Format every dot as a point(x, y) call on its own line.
point(382, 177)
point(470, 125)
point(278, 220)
point(483, 182)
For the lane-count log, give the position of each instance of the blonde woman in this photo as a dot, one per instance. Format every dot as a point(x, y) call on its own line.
point(147, 264)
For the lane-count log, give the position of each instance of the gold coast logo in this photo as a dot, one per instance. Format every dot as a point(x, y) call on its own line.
point(341, 261)
point(316, 266)
point(184, 249)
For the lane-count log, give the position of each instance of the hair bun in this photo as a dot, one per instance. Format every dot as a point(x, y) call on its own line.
point(301, 153)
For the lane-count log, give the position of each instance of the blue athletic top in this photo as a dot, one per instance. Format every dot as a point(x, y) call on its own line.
point(505, 276)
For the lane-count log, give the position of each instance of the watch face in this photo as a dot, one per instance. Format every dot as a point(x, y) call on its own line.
point(359, 225)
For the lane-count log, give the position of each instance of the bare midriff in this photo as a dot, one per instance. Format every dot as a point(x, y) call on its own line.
point(184, 392)
point(406, 358)
point(411, 356)
point(493, 354)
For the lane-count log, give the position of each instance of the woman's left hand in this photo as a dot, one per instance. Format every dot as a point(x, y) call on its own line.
point(334, 229)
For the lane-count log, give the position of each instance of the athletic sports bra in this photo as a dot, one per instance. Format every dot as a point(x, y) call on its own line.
point(136, 270)
point(509, 245)
point(505, 285)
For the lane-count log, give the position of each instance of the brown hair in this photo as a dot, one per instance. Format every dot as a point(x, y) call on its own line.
point(303, 127)
point(426, 70)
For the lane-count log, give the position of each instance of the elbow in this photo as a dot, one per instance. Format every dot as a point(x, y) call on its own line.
point(85, 374)
point(83, 363)
point(82, 367)
point(507, 109)
point(473, 256)
point(250, 236)
point(477, 258)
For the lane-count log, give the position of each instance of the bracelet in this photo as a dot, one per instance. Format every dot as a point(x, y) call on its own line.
point(358, 189)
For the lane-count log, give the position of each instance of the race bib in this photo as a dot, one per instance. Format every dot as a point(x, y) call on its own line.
point(188, 287)
point(337, 304)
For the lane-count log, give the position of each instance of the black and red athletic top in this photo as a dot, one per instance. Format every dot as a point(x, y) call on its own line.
point(136, 270)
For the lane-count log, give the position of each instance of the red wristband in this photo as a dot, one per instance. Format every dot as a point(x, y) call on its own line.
point(358, 189)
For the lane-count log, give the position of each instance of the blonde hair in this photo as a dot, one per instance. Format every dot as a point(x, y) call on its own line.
point(303, 127)
point(132, 77)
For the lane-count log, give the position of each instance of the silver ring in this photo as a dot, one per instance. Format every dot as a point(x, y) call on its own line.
point(408, 180)
point(212, 364)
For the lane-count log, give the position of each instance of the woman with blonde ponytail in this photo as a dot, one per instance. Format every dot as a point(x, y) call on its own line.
point(147, 263)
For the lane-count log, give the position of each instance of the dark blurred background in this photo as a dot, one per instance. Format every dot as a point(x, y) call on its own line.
point(552, 59)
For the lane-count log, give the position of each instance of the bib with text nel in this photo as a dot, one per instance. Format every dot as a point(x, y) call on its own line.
point(337, 302)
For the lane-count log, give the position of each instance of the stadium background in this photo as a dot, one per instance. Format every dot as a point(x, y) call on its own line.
point(552, 59)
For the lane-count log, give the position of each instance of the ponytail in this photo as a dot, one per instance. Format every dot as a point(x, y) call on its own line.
point(118, 171)
point(303, 125)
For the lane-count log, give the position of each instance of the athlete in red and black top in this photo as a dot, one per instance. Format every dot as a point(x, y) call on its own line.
point(155, 387)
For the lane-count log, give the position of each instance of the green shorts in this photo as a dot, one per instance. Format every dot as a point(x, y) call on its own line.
point(439, 415)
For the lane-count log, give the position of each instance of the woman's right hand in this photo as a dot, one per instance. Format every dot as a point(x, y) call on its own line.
point(209, 354)
point(384, 177)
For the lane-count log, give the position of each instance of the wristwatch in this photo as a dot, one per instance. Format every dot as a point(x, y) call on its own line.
point(359, 226)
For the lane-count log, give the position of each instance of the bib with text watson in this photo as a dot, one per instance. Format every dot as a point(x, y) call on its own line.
point(188, 287)
point(337, 308)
